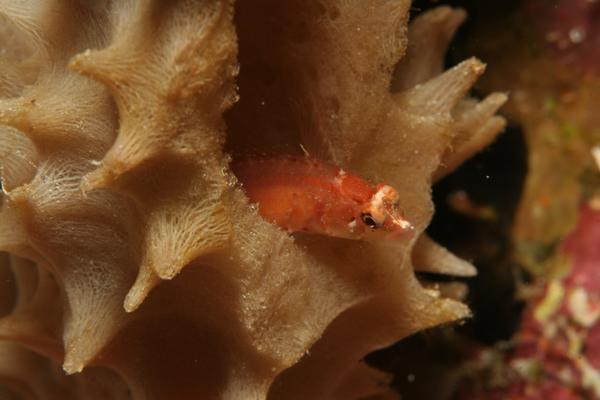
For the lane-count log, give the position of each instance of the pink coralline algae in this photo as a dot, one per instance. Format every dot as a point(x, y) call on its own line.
point(557, 354)
point(571, 28)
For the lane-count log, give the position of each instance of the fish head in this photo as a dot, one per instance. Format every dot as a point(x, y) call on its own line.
point(382, 213)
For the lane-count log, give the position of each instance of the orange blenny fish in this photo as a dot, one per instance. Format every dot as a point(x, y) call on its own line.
point(301, 194)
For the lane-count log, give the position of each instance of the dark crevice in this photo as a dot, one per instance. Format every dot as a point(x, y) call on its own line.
point(492, 180)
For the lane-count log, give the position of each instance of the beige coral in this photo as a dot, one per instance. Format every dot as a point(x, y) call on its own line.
point(145, 257)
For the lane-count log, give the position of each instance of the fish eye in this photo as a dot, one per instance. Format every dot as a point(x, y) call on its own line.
point(368, 220)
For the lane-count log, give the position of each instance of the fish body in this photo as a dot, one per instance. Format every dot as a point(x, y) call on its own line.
point(302, 194)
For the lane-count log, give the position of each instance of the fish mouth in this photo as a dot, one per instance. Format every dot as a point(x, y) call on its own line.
point(400, 226)
point(404, 224)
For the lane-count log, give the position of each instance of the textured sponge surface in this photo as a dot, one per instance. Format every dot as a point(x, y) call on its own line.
point(137, 263)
